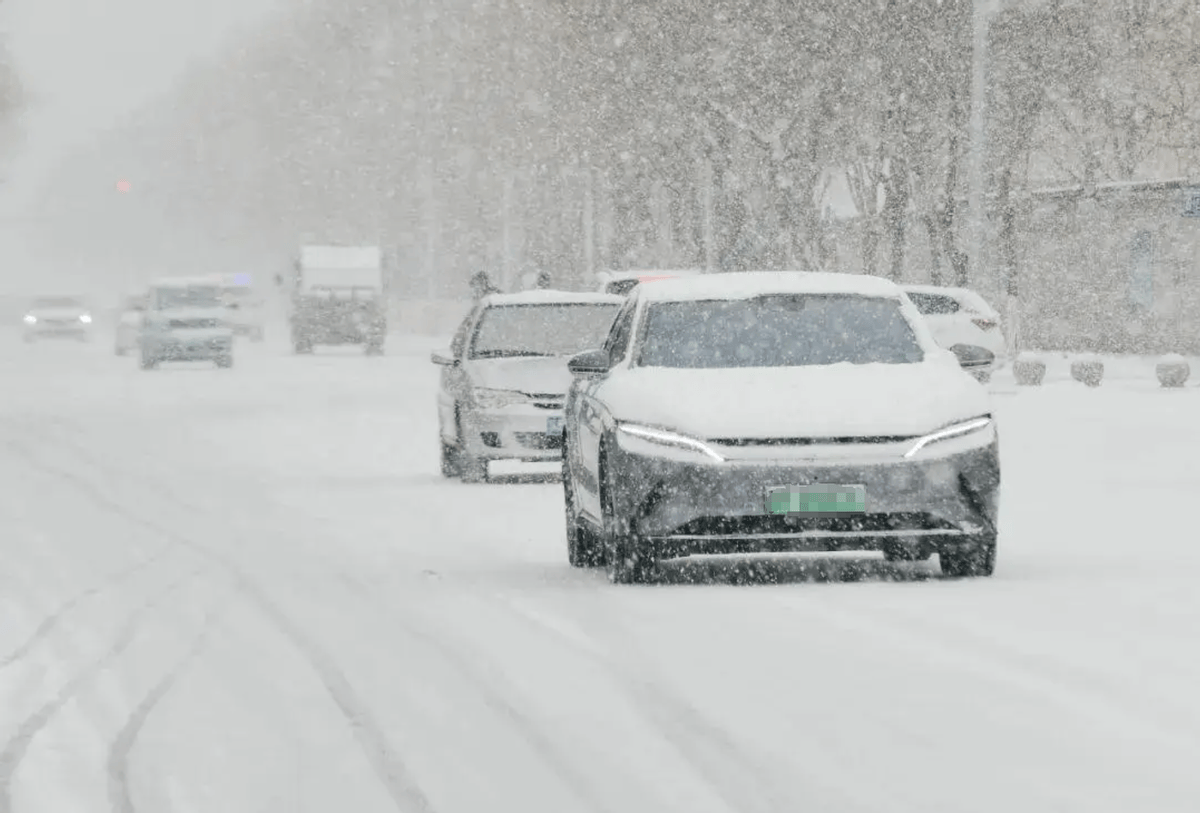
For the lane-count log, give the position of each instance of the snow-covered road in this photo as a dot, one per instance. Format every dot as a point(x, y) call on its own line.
point(250, 591)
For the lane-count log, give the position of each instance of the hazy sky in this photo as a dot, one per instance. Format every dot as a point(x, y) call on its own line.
point(86, 62)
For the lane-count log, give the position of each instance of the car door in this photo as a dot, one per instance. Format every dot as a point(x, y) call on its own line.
point(589, 418)
point(453, 380)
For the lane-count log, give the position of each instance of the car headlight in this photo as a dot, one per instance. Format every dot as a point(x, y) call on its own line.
point(495, 399)
point(668, 440)
point(87, 320)
point(30, 319)
point(955, 430)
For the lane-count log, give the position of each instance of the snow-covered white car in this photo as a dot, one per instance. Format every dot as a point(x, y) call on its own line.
point(959, 316)
point(774, 412)
point(505, 376)
point(52, 317)
point(129, 325)
point(185, 320)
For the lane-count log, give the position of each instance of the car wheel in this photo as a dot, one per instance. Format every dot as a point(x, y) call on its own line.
point(583, 549)
point(224, 361)
point(470, 468)
point(449, 460)
point(302, 347)
point(627, 560)
point(149, 362)
point(969, 561)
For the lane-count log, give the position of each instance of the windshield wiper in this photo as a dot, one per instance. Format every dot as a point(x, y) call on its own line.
point(505, 354)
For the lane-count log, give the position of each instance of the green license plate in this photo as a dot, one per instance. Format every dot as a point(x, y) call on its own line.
point(817, 500)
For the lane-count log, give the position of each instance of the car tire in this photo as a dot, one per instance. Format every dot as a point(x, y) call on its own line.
point(149, 362)
point(626, 559)
point(583, 548)
point(302, 348)
point(472, 469)
point(969, 561)
point(449, 461)
point(224, 362)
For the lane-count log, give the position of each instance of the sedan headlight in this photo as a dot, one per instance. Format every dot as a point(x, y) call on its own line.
point(495, 399)
point(667, 440)
point(30, 319)
point(956, 430)
point(86, 319)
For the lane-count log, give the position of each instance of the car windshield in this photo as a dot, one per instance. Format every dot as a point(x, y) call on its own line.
point(190, 297)
point(57, 302)
point(556, 329)
point(778, 331)
point(934, 304)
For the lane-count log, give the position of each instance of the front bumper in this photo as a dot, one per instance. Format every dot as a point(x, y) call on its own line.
point(922, 504)
point(523, 432)
point(44, 329)
point(195, 346)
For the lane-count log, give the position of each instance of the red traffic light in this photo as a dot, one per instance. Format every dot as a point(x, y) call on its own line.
point(124, 186)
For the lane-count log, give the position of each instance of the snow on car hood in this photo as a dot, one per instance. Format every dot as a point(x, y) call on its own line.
point(530, 374)
point(842, 400)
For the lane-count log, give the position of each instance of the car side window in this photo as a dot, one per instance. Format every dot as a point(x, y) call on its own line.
point(458, 345)
point(622, 331)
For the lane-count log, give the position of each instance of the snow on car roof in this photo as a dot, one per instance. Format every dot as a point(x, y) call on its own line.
point(541, 296)
point(743, 285)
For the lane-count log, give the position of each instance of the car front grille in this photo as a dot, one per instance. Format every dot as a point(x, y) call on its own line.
point(192, 324)
point(538, 440)
point(770, 525)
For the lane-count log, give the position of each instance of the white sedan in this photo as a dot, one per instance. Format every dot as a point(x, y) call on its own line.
point(959, 316)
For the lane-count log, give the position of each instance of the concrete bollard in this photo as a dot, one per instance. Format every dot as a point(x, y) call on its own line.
point(1172, 370)
point(1089, 371)
point(1029, 370)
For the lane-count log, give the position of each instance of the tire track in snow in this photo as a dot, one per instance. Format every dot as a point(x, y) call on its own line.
point(551, 753)
point(120, 799)
point(51, 621)
point(391, 771)
point(707, 747)
point(1103, 711)
point(17, 747)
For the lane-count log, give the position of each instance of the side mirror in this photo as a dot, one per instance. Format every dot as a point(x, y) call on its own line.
point(972, 357)
point(590, 363)
point(443, 360)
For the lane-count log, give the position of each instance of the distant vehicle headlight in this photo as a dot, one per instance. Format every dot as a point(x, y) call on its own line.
point(30, 318)
point(87, 320)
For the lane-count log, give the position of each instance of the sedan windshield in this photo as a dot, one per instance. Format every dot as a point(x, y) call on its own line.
point(558, 329)
point(191, 297)
point(783, 330)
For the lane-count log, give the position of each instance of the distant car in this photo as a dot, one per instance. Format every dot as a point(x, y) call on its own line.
point(959, 316)
point(129, 325)
point(620, 283)
point(246, 306)
point(770, 412)
point(185, 320)
point(53, 317)
point(504, 378)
